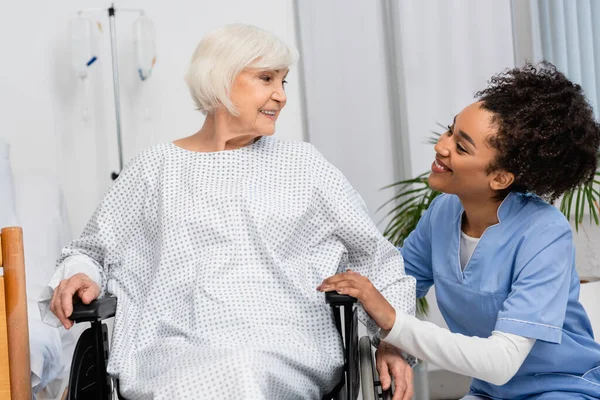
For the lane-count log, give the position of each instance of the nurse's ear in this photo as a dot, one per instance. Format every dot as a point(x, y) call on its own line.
point(502, 180)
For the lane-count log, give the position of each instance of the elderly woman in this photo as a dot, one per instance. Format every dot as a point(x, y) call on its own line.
point(214, 244)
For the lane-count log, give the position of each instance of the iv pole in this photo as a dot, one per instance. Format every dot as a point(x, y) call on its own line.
point(115, 67)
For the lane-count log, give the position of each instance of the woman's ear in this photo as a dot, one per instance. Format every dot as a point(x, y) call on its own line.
point(502, 180)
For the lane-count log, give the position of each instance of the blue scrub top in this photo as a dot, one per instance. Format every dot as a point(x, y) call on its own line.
point(521, 279)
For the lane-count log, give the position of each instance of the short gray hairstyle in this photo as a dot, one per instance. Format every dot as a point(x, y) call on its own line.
point(222, 54)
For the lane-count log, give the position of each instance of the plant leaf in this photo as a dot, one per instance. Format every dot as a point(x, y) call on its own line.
point(399, 196)
point(590, 198)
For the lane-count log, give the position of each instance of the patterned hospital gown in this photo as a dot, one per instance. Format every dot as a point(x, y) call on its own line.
point(215, 259)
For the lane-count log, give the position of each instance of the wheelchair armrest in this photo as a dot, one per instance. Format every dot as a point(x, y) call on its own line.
point(336, 299)
point(97, 310)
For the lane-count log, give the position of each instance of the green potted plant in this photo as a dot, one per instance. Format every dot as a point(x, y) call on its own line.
point(413, 197)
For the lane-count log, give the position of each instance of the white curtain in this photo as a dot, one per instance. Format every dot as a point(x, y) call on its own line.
point(564, 32)
point(342, 53)
point(450, 49)
point(380, 75)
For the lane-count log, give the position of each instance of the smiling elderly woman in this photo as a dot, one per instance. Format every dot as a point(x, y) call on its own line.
point(214, 245)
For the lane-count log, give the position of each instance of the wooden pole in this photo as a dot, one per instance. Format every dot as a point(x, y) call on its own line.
point(4, 364)
point(16, 313)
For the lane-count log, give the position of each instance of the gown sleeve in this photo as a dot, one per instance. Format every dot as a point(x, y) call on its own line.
point(116, 223)
point(368, 252)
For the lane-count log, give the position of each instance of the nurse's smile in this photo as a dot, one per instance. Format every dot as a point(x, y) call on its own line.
point(439, 167)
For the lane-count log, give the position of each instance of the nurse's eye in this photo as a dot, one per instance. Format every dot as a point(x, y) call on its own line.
point(460, 149)
point(449, 130)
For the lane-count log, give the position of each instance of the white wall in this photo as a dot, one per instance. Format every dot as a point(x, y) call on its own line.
point(40, 96)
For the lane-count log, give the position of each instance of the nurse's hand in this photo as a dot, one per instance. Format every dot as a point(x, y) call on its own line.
point(62, 298)
point(355, 285)
point(390, 361)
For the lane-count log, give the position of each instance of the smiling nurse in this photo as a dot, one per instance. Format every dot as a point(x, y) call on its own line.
point(500, 256)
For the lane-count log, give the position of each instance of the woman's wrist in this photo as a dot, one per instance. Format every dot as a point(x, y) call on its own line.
point(395, 324)
point(389, 320)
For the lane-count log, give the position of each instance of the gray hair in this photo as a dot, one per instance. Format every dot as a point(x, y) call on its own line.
point(222, 54)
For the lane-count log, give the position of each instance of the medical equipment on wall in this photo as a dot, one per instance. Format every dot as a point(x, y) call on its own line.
point(83, 55)
point(145, 45)
point(144, 39)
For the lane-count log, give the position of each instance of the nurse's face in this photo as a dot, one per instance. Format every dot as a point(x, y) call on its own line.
point(463, 155)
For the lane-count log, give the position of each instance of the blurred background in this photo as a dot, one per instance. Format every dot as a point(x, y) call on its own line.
point(375, 78)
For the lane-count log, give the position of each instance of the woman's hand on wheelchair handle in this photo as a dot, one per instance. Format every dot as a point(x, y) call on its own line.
point(62, 299)
point(358, 286)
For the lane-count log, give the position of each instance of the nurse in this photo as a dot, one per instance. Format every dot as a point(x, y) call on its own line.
point(500, 256)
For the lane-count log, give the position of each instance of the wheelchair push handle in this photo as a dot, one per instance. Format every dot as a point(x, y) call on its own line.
point(97, 310)
point(336, 299)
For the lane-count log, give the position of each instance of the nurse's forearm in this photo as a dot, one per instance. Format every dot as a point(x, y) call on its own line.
point(495, 359)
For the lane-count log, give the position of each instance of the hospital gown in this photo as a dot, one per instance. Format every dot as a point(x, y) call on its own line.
point(215, 258)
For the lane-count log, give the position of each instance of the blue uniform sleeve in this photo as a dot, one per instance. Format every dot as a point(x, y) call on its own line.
point(537, 303)
point(416, 252)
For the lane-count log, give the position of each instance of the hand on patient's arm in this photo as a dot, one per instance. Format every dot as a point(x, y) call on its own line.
point(61, 304)
point(358, 286)
point(390, 361)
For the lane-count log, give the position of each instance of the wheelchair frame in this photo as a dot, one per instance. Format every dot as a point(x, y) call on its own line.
point(89, 380)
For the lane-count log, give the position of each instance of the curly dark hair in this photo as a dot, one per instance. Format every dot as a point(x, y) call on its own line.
point(547, 135)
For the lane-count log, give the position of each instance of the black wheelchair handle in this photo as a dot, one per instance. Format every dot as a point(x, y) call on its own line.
point(337, 299)
point(97, 310)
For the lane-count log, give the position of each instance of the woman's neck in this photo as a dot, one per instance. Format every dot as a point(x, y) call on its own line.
point(479, 215)
point(218, 133)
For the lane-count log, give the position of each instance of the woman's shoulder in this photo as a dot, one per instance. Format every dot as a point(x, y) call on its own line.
point(153, 152)
point(298, 146)
point(157, 150)
point(146, 163)
point(296, 151)
point(537, 212)
point(532, 222)
point(446, 204)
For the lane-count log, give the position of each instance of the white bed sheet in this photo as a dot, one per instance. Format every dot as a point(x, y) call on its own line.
point(45, 345)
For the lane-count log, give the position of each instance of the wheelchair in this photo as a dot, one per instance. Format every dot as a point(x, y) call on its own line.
point(88, 379)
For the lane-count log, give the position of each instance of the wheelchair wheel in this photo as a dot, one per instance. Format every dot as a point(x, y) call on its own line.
point(367, 370)
point(369, 378)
